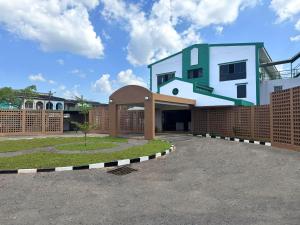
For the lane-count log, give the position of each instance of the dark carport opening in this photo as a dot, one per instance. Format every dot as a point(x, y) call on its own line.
point(176, 120)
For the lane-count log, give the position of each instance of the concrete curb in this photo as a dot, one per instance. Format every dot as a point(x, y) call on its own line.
point(235, 139)
point(121, 162)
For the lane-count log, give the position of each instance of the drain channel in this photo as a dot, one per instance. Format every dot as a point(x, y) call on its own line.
point(121, 171)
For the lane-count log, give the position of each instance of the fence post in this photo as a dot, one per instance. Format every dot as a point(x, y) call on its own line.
point(291, 116)
point(271, 119)
point(208, 121)
point(23, 121)
point(61, 121)
point(43, 121)
point(252, 122)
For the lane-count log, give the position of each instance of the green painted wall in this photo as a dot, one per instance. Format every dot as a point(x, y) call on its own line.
point(203, 62)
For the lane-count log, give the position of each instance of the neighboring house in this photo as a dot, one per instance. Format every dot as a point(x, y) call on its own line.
point(215, 74)
point(44, 101)
point(68, 106)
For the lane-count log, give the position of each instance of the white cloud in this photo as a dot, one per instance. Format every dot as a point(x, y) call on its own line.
point(51, 82)
point(40, 78)
point(287, 10)
point(62, 87)
point(126, 77)
point(219, 30)
point(78, 73)
point(295, 38)
point(56, 25)
point(103, 84)
point(72, 93)
point(37, 77)
point(297, 25)
point(60, 62)
point(154, 34)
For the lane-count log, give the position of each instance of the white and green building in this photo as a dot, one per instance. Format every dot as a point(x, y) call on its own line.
point(213, 74)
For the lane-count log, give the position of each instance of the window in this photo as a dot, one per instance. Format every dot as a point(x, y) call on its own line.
point(277, 88)
point(196, 73)
point(59, 106)
point(241, 91)
point(175, 91)
point(49, 105)
point(28, 105)
point(39, 105)
point(233, 71)
point(163, 78)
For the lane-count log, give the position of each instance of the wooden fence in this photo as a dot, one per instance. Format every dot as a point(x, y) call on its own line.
point(244, 122)
point(30, 122)
point(285, 123)
point(98, 117)
point(129, 121)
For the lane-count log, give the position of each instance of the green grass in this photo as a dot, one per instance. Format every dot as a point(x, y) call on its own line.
point(82, 147)
point(49, 160)
point(25, 144)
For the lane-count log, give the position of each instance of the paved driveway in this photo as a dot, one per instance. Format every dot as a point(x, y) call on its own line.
point(205, 181)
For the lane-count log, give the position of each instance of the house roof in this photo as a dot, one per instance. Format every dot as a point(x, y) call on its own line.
point(210, 45)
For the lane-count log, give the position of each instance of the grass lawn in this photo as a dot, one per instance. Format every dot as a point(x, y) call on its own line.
point(25, 144)
point(49, 160)
point(89, 146)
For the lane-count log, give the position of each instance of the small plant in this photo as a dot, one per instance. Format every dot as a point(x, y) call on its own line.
point(84, 109)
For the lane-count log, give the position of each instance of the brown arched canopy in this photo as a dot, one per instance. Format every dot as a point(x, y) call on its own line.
point(137, 95)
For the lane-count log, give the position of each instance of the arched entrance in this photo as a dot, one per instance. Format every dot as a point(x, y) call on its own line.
point(133, 96)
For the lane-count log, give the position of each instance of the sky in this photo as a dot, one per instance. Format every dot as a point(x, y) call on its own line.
point(94, 47)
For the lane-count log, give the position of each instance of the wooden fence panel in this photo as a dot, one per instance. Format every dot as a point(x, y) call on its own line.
point(261, 123)
point(244, 122)
point(98, 117)
point(30, 122)
point(281, 117)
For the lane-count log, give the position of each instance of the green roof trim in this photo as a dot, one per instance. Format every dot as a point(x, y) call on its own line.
point(237, 102)
point(258, 44)
point(237, 44)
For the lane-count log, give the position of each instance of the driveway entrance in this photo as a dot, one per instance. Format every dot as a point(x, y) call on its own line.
point(205, 181)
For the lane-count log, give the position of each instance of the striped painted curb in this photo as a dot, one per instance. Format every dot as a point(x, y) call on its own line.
point(121, 162)
point(235, 139)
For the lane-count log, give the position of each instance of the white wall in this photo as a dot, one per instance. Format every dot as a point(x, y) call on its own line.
point(194, 56)
point(169, 65)
point(186, 91)
point(267, 87)
point(224, 54)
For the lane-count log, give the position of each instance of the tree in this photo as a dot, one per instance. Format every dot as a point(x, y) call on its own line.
point(16, 98)
point(84, 109)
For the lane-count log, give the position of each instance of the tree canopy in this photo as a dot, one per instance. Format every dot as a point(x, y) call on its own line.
point(14, 97)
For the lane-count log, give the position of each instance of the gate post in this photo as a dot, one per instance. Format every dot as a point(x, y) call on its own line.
point(113, 119)
point(149, 118)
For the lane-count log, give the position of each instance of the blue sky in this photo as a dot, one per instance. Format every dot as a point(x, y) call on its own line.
point(93, 47)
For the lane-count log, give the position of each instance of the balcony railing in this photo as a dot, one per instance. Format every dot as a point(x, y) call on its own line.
point(283, 74)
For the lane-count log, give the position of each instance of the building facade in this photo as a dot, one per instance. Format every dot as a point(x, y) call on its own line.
point(212, 74)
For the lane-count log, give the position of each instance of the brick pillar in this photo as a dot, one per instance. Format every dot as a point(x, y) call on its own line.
point(113, 119)
point(23, 124)
point(149, 121)
point(44, 121)
point(252, 121)
point(292, 116)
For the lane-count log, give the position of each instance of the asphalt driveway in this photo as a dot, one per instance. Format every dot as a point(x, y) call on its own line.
point(205, 181)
